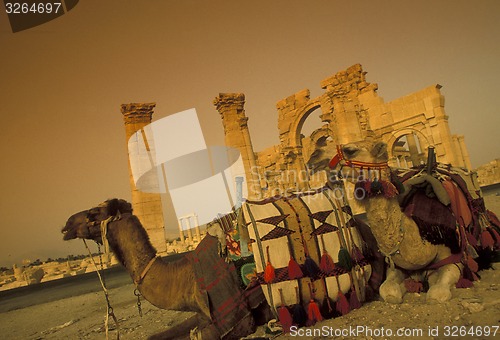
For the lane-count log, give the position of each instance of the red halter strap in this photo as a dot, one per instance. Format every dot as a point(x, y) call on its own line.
point(340, 156)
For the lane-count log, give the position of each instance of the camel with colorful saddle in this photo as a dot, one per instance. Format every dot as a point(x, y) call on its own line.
point(430, 222)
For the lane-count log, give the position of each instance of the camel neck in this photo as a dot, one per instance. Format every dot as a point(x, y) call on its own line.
point(385, 218)
point(130, 242)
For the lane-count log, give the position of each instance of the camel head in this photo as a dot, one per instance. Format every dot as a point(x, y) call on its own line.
point(109, 208)
point(86, 224)
point(347, 160)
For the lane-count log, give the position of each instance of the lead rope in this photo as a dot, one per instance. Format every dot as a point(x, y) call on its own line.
point(109, 311)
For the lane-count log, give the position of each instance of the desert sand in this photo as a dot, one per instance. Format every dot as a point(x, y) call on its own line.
point(82, 317)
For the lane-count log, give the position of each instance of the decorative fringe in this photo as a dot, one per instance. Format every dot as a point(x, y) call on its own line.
point(473, 266)
point(326, 309)
point(365, 189)
point(376, 187)
point(357, 254)
point(326, 264)
point(397, 183)
point(468, 274)
point(471, 251)
point(413, 286)
point(342, 304)
point(464, 283)
point(299, 313)
point(345, 260)
point(294, 271)
point(389, 189)
point(486, 240)
point(359, 190)
point(471, 239)
point(312, 268)
point(269, 274)
point(496, 235)
point(313, 313)
point(284, 315)
point(353, 300)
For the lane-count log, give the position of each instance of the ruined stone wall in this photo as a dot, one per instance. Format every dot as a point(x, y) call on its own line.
point(489, 173)
point(349, 108)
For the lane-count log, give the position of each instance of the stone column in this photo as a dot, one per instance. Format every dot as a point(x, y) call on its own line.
point(412, 146)
point(234, 120)
point(147, 206)
point(181, 232)
point(197, 226)
point(464, 152)
point(189, 231)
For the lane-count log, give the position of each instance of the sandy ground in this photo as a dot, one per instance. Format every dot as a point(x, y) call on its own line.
point(82, 317)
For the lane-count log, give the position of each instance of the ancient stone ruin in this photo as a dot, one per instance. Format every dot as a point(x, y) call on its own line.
point(349, 107)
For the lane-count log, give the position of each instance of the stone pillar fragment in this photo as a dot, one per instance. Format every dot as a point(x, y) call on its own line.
point(234, 120)
point(147, 206)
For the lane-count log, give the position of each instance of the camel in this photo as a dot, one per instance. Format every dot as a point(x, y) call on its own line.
point(171, 285)
point(397, 235)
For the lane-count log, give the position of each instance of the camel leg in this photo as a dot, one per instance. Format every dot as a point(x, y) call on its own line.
point(440, 288)
point(392, 290)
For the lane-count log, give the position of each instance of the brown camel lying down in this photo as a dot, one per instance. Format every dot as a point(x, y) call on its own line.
point(171, 285)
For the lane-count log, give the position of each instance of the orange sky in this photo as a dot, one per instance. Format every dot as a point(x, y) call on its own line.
point(61, 85)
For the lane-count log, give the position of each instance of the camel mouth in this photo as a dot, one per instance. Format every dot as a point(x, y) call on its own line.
point(317, 167)
point(68, 234)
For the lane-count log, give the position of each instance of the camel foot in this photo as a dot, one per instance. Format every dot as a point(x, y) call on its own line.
point(438, 294)
point(391, 292)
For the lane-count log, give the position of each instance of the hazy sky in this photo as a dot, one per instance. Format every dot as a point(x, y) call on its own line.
point(63, 147)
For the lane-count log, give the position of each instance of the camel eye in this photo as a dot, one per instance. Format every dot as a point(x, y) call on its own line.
point(349, 151)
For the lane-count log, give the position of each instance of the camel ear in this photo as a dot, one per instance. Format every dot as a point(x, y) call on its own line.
point(125, 207)
point(118, 205)
point(113, 207)
point(379, 151)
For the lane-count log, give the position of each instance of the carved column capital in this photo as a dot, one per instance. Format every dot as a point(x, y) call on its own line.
point(228, 101)
point(137, 112)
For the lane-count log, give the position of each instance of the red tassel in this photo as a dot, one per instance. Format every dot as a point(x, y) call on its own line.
point(486, 240)
point(473, 266)
point(284, 315)
point(464, 283)
point(326, 264)
point(342, 304)
point(496, 235)
point(313, 313)
point(353, 300)
point(389, 189)
point(269, 272)
point(471, 239)
point(357, 254)
point(294, 271)
point(413, 286)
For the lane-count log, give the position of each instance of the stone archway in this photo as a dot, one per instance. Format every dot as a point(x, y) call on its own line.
point(411, 154)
